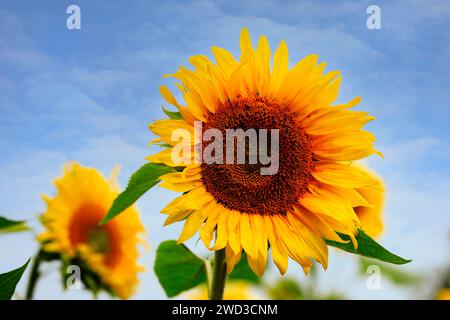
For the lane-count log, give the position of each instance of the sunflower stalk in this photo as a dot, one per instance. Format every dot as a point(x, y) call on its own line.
point(217, 276)
point(34, 275)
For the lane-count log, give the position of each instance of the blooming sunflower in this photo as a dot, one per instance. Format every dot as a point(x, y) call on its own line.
point(313, 195)
point(71, 221)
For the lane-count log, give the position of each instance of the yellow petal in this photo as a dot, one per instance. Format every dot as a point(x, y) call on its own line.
point(345, 146)
point(179, 182)
point(197, 198)
point(201, 89)
point(317, 223)
point(280, 69)
point(337, 212)
point(315, 246)
point(181, 187)
point(168, 96)
point(262, 67)
point(246, 45)
point(165, 129)
point(295, 246)
point(247, 236)
point(207, 231)
point(191, 226)
point(164, 156)
point(225, 61)
point(222, 232)
point(280, 257)
point(335, 120)
point(234, 240)
point(345, 175)
point(258, 264)
point(291, 86)
point(181, 177)
point(260, 237)
point(176, 217)
point(231, 258)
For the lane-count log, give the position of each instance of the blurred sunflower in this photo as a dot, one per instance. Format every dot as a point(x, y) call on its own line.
point(443, 294)
point(371, 217)
point(109, 252)
point(312, 196)
point(235, 290)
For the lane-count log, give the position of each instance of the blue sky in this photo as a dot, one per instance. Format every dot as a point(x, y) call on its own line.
point(89, 94)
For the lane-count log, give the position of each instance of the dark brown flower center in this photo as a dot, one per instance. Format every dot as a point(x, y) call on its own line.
point(242, 187)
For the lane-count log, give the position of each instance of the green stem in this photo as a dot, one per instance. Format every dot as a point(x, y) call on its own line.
point(219, 275)
point(34, 276)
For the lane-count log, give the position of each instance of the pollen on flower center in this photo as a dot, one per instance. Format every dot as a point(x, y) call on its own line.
point(241, 187)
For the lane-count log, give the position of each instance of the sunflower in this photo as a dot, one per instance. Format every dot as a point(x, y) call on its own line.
point(371, 217)
point(235, 290)
point(443, 294)
point(314, 193)
point(71, 220)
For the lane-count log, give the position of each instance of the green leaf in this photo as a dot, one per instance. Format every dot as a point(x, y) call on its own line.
point(177, 268)
point(140, 182)
point(367, 247)
point(8, 226)
point(242, 271)
point(174, 115)
point(9, 280)
point(396, 276)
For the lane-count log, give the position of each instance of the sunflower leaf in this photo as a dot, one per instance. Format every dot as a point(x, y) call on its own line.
point(177, 268)
point(367, 247)
point(140, 182)
point(9, 280)
point(174, 115)
point(8, 226)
